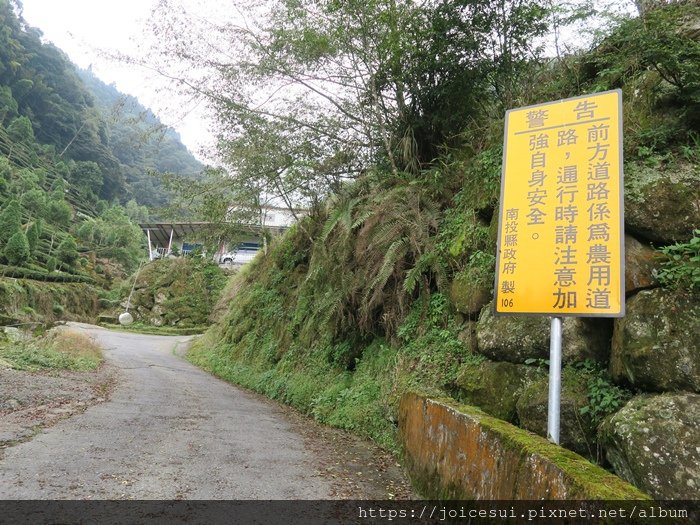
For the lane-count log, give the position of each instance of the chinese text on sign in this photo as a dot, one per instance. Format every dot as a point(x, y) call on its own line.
point(560, 240)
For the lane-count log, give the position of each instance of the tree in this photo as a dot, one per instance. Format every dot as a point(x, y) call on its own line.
point(135, 212)
point(10, 221)
point(34, 202)
point(114, 236)
point(8, 105)
point(67, 251)
point(51, 264)
point(26, 180)
point(320, 91)
point(59, 212)
point(33, 236)
point(5, 173)
point(17, 249)
point(86, 176)
point(20, 131)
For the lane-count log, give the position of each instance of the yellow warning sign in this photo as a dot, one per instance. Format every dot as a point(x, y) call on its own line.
point(560, 232)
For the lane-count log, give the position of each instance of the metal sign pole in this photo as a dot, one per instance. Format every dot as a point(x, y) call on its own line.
point(554, 380)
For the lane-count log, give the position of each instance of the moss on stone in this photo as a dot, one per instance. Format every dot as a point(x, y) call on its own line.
point(469, 291)
point(577, 431)
point(656, 346)
point(514, 338)
point(495, 386)
point(584, 479)
point(662, 204)
point(177, 291)
point(653, 442)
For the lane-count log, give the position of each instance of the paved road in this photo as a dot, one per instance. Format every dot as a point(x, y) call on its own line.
point(169, 431)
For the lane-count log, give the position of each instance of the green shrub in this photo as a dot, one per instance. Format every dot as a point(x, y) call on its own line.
point(33, 235)
point(67, 251)
point(17, 249)
point(604, 397)
point(59, 213)
point(51, 264)
point(10, 221)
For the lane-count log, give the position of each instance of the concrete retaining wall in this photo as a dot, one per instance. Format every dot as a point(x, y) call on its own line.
point(458, 452)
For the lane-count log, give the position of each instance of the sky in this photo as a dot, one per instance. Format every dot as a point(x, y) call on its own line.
point(87, 30)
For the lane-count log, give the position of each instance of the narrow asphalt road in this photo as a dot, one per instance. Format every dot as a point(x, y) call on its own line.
point(168, 431)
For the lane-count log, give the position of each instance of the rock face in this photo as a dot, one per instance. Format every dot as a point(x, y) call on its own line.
point(654, 443)
point(577, 432)
point(640, 262)
point(662, 206)
point(586, 338)
point(514, 339)
point(495, 387)
point(656, 347)
point(518, 338)
point(468, 293)
point(177, 291)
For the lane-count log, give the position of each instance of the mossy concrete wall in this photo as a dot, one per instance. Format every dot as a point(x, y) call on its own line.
point(458, 452)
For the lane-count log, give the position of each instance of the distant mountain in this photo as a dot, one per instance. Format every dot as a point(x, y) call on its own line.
point(52, 111)
point(140, 142)
point(76, 163)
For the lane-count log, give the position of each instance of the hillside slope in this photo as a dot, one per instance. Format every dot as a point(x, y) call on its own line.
point(52, 114)
point(73, 182)
point(388, 288)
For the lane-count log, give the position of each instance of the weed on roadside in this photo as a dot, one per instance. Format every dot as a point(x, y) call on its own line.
point(63, 350)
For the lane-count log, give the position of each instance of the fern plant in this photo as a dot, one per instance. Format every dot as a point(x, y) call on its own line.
point(384, 242)
point(682, 268)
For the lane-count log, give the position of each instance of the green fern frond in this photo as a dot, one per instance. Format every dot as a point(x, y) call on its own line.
point(361, 218)
point(341, 214)
point(393, 256)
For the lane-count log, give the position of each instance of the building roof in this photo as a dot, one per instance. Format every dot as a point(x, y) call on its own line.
point(160, 231)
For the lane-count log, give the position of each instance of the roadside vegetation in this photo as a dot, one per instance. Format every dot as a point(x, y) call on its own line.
point(142, 328)
point(54, 350)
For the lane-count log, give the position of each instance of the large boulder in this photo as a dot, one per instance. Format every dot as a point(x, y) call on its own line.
point(518, 339)
point(512, 338)
point(495, 387)
point(469, 292)
point(662, 206)
point(577, 431)
point(640, 262)
point(656, 346)
point(654, 443)
point(586, 338)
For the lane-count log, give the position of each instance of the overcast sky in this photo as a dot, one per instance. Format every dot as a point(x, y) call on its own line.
point(84, 29)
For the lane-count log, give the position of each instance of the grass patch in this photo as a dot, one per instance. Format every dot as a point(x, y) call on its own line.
point(64, 350)
point(354, 401)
